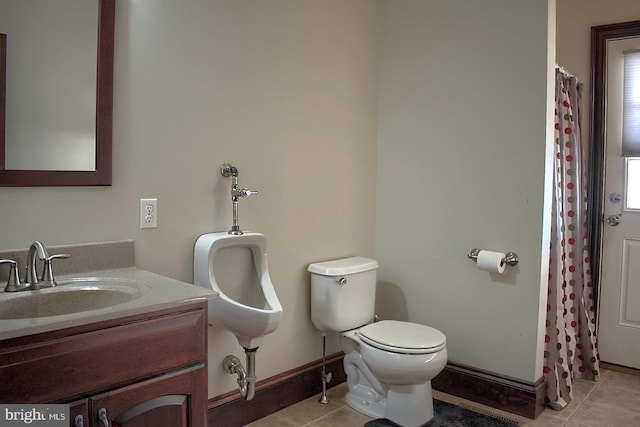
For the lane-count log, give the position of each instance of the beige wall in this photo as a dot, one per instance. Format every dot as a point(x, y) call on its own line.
point(286, 91)
point(461, 164)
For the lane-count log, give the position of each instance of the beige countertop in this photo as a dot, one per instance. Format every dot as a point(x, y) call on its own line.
point(155, 292)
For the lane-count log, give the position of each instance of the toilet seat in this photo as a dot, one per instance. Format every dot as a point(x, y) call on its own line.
point(402, 337)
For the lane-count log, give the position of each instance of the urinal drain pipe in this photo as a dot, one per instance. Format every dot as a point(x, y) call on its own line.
point(246, 380)
point(250, 355)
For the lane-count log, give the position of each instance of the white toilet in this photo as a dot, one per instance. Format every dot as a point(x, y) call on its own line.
point(389, 364)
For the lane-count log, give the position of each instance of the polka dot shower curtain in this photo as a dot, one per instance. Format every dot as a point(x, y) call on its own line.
point(570, 340)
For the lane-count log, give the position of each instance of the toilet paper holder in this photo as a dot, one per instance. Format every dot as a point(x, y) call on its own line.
point(510, 258)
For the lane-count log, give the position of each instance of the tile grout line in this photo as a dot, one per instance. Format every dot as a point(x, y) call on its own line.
point(575, 411)
point(323, 416)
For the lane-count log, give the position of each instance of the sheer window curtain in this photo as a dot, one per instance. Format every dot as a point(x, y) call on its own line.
point(570, 338)
point(631, 105)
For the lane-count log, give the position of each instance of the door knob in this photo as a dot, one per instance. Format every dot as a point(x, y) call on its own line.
point(614, 220)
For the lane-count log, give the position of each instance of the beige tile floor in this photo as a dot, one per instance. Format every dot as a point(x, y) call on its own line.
point(614, 401)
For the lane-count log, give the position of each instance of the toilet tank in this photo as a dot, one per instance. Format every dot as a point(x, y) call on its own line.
point(343, 293)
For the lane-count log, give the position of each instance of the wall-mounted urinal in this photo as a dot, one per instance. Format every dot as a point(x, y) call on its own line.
point(236, 267)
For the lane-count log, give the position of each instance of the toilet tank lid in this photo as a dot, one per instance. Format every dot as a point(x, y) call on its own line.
point(344, 266)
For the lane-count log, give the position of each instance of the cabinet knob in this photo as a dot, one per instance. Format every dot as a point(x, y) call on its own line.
point(102, 416)
point(78, 421)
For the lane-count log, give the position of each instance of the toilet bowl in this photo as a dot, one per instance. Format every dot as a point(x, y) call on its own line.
point(235, 266)
point(393, 363)
point(405, 357)
point(389, 364)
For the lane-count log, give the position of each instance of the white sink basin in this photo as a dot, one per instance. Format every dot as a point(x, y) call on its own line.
point(71, 296)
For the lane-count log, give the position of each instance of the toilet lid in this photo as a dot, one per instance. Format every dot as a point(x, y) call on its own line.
point(403, 337)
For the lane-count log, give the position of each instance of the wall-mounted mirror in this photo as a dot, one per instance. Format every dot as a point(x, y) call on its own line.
point(59, 92)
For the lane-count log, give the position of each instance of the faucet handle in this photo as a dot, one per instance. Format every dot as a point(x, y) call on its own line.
point(47, 272)
point(13, 282)
point(56, 256)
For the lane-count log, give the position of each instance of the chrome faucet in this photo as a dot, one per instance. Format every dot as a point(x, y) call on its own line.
point(46, 280)
point(227, 170)
point(32, 274)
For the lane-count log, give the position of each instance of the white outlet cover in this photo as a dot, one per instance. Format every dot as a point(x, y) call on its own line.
point(148, 213)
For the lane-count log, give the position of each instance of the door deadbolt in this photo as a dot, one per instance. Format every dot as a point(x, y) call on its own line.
point(615, 197)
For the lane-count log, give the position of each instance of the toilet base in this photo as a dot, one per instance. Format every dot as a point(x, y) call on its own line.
point(366, 395)
point(366, 401)
point(407, 405)
point(410, 405)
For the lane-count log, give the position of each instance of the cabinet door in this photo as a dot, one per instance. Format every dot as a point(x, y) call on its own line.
point(172, 400)
point(79, 413)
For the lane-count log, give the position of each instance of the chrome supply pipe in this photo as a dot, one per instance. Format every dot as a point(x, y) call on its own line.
point(235, 228)
point(326, 377)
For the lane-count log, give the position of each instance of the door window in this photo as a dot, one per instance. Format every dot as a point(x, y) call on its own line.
point(632, 183)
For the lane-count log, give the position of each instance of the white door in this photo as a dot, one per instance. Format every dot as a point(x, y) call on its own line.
point(619, 308)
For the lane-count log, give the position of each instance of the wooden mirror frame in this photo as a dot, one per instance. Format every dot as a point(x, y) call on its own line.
point(104, 119)
point(3, 82)
point(600, 36)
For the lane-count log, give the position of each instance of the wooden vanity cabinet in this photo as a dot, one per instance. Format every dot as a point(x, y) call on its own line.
point(143, 370)
point(160, 401)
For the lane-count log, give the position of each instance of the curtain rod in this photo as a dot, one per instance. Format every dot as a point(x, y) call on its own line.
point(564, 71)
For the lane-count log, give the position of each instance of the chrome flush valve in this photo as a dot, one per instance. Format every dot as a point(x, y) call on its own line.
point(227, 170)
